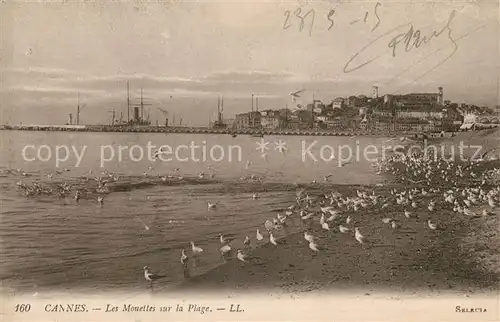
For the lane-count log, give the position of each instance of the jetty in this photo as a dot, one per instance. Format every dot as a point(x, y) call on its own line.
point(186, 130)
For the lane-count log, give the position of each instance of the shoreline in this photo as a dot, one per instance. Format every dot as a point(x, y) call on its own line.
point(291, 268)
point(460, 258)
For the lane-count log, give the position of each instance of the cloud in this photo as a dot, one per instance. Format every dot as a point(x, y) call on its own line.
point(50, 90)
point(40, 71)
point(248, 76)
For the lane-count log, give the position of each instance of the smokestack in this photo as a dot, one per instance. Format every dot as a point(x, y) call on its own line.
point(440, 97)
point(375, 92)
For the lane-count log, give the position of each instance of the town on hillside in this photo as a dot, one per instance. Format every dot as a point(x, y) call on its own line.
point(413, 112)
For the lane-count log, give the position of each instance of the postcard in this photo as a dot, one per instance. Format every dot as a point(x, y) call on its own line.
point(249, 160)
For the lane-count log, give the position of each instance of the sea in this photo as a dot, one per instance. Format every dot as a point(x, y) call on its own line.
point(54, 243)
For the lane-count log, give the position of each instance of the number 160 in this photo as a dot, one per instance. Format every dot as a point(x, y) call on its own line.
point(22, 308)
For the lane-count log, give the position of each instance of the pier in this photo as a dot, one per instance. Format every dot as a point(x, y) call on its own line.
point(186, 130)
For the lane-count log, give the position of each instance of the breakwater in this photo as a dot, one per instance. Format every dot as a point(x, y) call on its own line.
point(193, 130)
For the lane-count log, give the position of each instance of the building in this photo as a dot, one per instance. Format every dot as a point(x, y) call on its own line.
point(473, 121)
point(375, 92)
point(415, 100)
point(248, 120)
point(413, 125)
point(229, 122)
point(424, 114)
point(294, 125)
point(470, 121)
point(335, 123)
point(317, 107)
point(352, 101)
point(364, 125)
point(382, 124)
point(338, 103)
point(382, 112)
point(271, 120)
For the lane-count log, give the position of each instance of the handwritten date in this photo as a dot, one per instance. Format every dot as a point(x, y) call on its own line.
point(306, 19)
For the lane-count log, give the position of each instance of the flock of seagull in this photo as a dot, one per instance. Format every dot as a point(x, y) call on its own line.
point(438, 185)
point(466, 189)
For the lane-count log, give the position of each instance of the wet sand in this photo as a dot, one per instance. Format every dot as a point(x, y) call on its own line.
point(414, 258)
point(462, 256)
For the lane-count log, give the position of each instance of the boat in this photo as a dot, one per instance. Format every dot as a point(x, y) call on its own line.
point(258, 135)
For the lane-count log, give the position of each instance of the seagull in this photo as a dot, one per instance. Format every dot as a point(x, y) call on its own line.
point(242, 257)
point(296, 94)
point(157, 153)
point(308, 237)
point(325, 226)
point(145, 226)
point(258, 235)
point(184, 258)
point(196, 250)
point(272, 240)
point(431, 225)
point(487, 213)
point(359, 237)
point(282, 219)
point(343, 229)
point(305, 216)
point(394, 225)
point(150, 277)
point(269, 225)
point(387, 220)
point(328, 210)
point(245, 258)
point(407, 214)
point(333, 216)
point(348, 220)
point(322, 219)
point(246, 242)
point(223, 239)
point(469, 212)
point(77, 196)
point(314, 247)
point(211, 205)
point(255, 195)
point(224, 250)
point(100, 200)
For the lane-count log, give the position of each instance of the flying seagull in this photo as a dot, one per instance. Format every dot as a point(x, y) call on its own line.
point(296, 95)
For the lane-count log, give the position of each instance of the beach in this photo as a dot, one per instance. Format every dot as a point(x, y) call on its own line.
point(461, 257)
point(411, 259)
point(151, 211)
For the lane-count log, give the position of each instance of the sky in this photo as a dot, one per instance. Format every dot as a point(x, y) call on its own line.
point(184, 54)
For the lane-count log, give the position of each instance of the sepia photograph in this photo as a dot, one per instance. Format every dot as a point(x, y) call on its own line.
point(299, 160)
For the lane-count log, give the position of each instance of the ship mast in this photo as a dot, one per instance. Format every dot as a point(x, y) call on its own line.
point(128, 102)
